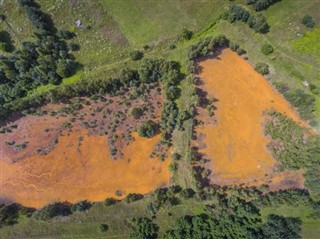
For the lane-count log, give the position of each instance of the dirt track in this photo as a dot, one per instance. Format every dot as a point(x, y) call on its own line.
point(236, 144)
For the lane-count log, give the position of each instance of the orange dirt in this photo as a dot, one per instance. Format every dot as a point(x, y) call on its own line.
point(236, 143)
point(76, 171)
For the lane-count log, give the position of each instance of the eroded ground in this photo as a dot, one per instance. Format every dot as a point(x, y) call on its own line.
point(232, 138)
point(85, 149)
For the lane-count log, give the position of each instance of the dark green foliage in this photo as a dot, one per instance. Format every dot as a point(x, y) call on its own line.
point(81, 206)
point(232, 218)
point(132, 197)
point(262, 68)
point(187, 193)
point(137, 112)
point(165, 198)
point(279, 227)
point(308, 21)
point(41, 21)
point(73, 46)
point(207, 46)
point(53, 210)
point(266, 49)
point(186, 34)
point(175, 156)
point(110, 201)
point(65, 34)
point(258, 23)
point(260, 5)
point(6, 42)
point(237, 13)
point(144, 228)
point(136, 55)
point(44, 61)
point(104, 227)
point(148, 129)
point(303, 101)
point(9, 214)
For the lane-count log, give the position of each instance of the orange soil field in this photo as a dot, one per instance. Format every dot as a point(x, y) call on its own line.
point(75, 171)
point(236, 143)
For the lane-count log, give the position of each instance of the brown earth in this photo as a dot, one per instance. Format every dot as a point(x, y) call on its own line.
point(235, 144)
point(75, 171)
point(68, 154)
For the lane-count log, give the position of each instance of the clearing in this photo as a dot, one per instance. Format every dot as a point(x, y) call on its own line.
point(233, 137)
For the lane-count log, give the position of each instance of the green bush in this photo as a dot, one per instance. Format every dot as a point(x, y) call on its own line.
point(110, 201)
point(262, 68)
point(308, 21)
point(136, 55)
point(147, 129)
point(186, 34)
point(144, 228)
point(132, 197)
point(266, 49)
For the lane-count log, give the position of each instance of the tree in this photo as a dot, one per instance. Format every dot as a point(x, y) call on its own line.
point(136, 55)
point(266, 49)
point(258, 23)
point(308, 21)
point(147, 129)
point(144, 228)
point(186, 34)
point(279, 227)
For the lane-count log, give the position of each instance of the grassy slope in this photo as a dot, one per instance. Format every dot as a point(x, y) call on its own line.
point(105, 48)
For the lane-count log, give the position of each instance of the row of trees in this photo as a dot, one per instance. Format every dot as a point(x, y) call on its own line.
point(257, 22)
point(260, 5)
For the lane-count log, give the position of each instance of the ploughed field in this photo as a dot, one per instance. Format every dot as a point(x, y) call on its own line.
point(86, 149)
point(234, 99)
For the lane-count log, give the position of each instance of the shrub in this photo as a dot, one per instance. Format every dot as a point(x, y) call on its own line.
point(308, 21)
point(262, 68)
point(132, 197)
point(53, 210)
point(81, 206)
point(110, 201)
point(104, 227)
point(136, 55)
point(187, 193)
point(144, 228)
point(148, 129)
point(266, 49)
point(186, 34)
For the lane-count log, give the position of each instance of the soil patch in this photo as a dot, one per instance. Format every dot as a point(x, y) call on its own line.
point(236, 144)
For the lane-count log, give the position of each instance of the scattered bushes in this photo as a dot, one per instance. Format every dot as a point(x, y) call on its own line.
point(308, 21)
point(262, 68)
point(266, 49)
point(53, 210)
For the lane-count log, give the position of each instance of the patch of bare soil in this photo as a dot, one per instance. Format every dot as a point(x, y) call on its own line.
point(234, 98)
point(83, 149)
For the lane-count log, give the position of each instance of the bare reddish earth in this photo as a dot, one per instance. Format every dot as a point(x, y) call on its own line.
point(234, 140)
point(76, 171)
